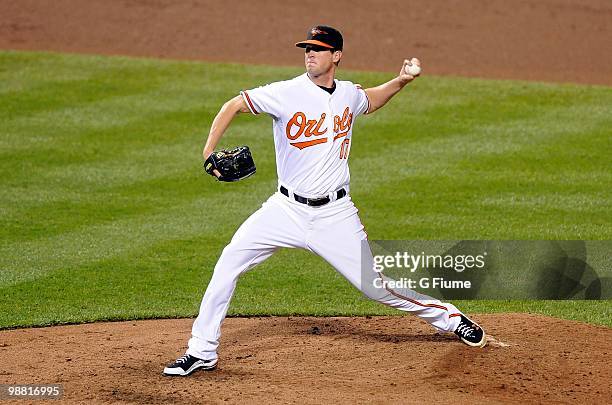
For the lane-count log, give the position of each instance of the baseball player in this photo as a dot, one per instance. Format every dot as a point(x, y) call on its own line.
point(313, 116)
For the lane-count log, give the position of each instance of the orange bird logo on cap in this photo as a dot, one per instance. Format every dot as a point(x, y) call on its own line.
point(316, 31)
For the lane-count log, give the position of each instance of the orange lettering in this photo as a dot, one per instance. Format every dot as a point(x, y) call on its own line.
point(298, 120)
point(302, 145)
point(304, 126)
point(343, 134)
point(343, 123)
point(307, 128)
point(344, 149)
point(317, 129)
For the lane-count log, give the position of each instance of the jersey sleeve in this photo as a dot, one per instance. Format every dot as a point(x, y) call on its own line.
point(362, 103)
point(264, 99)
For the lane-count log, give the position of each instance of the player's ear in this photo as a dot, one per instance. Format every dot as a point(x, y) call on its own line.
point(336, 56)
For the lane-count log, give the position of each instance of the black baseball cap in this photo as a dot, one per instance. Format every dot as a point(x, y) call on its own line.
point(324, 36)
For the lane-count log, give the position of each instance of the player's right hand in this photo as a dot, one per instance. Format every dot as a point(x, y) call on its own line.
point(403, 76)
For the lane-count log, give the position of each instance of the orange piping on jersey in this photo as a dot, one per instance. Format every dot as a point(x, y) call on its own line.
point(367, 98)
point(302, 145)
point(416, 302)
point(250, 103)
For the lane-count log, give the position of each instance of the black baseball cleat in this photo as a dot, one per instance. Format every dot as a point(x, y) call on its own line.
point(471, 333)
point(187, 364)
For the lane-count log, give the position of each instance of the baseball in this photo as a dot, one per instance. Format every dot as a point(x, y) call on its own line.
point(413, 70)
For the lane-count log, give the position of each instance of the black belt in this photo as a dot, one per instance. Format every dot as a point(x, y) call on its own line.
point(313, 202)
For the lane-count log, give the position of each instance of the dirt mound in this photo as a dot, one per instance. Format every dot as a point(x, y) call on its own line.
point(549, 40)
point(530, 359)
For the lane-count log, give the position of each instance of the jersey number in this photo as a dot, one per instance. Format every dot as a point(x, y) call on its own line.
point(344, 149)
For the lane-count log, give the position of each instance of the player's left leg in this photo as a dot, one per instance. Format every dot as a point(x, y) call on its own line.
point(275, 225)
point(339, 237)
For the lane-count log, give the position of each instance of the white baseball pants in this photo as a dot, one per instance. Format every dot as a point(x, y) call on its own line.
point(334, 232)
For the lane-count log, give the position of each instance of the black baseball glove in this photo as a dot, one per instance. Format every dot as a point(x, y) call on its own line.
point(233, 165)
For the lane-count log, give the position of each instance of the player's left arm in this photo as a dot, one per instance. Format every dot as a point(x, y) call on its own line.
point(380, 95)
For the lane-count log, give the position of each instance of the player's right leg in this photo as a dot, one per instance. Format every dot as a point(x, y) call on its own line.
point(340, 239)
point(269, 228)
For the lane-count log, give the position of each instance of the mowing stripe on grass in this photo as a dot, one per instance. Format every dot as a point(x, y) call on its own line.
point(105, 213)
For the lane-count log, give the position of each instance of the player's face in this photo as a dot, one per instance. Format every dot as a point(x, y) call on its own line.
point(319, 60)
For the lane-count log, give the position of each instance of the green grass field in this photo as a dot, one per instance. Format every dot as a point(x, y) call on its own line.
point(106, 213)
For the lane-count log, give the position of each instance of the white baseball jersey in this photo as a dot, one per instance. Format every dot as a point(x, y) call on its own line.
point(312, 131)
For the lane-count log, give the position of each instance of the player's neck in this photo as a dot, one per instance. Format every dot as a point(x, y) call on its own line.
point(324, 79)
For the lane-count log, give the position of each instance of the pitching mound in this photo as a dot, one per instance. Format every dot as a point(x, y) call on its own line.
point(529, 359)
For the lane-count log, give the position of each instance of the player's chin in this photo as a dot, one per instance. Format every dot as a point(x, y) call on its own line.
point(313, 71)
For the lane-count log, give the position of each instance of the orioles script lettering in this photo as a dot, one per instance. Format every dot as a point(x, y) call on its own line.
point(299, 125)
